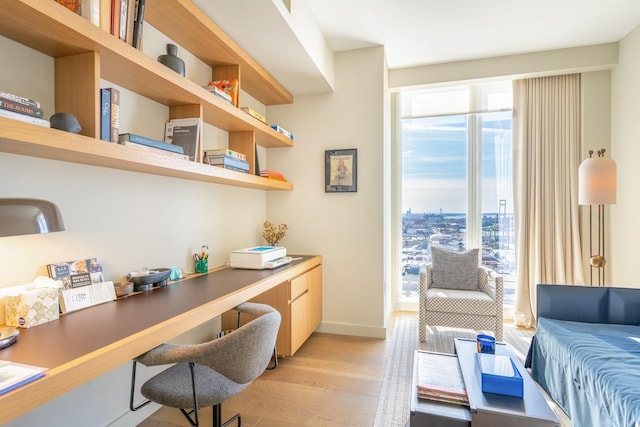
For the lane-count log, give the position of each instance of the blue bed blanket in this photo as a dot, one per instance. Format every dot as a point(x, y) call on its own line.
point(592, 370)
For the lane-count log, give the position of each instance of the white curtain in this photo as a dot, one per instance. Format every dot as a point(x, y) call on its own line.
point(546, 144)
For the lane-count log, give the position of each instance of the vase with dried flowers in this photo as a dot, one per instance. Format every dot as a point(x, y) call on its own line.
point(273, 234)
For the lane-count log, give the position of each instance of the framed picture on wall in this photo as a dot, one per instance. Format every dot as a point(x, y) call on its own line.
point(341, 171)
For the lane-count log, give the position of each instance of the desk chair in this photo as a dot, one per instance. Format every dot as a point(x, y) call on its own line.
point(208, 374)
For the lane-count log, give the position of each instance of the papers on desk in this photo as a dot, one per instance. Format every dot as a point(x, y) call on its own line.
point(14, 375)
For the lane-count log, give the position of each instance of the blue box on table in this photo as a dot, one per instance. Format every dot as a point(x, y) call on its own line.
point(498, 374)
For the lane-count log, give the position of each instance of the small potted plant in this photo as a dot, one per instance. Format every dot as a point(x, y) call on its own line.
point(273, 234)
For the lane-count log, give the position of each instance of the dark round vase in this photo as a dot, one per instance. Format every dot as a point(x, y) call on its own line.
point(171, 59)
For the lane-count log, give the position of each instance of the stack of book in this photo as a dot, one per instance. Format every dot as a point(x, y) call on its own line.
point(20, 108)
point(228, 159)
point(266, 173)
point(219, 93)
point(439, 378)
point(152, 145)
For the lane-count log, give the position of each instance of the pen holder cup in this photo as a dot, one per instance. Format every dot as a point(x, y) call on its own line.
point(202, 266)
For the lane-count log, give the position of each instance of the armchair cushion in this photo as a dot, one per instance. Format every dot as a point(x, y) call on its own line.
point(455, 270)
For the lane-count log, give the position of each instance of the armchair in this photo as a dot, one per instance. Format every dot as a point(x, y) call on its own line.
point(457, 308)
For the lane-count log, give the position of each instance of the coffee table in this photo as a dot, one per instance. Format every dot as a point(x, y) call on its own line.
point(485, 409)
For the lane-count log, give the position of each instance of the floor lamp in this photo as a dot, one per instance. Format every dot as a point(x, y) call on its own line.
point(597, 187)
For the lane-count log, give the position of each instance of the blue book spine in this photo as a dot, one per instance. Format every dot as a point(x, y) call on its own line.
point(150, 142)
point(105, 115)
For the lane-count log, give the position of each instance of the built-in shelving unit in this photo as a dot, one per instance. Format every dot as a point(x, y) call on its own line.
point(84, 54)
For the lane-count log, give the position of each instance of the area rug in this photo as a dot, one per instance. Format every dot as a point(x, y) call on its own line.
point(393, 404)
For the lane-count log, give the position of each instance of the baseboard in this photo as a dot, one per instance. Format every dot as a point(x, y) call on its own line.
point(352, 329)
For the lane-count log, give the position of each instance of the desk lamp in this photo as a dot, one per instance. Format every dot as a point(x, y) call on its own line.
point(597, 186)
point(26, 216)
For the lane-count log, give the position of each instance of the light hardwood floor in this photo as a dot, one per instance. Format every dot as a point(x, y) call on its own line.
point(332, 380)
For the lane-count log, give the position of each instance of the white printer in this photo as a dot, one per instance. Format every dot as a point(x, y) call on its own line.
point(259, 257)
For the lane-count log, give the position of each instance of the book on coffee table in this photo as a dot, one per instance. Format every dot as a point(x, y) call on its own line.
point(439, 378)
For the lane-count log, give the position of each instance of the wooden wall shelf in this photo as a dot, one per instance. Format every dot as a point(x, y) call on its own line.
point(88, 53)
point(37, 141)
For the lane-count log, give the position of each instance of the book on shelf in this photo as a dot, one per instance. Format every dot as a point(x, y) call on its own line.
point(225, 152)
point(219, 92)
point(229, 163)
point(20, 99)
point(105, 115)
point(128, 27)
point(74, 274)
point(90, 10)
point(256, 161)
point(7, 104)
point(267, 173)
point(232, 168)
point(150, 142)
point(122, 20)
point(24, 118)
point(185, 133)
point(14, 375)
point(148, 149)
point(138, 22)
point(116, 7)
point(254, 114)
point(282, 131)
point(439, 378)
point(115, 113)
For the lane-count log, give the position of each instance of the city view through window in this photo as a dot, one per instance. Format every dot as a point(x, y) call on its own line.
point(457, 180)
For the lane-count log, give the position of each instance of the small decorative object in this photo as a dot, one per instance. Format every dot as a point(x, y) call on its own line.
point(486, 344)
point(148, 279)
point(66, 122)
point(123, 288)
point(273, 234)
point(171, 59)
point(341, 171)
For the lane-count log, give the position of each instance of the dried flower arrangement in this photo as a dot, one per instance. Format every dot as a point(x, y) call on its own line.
point(273, 234)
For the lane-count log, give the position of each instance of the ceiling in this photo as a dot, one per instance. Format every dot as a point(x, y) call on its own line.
point(285, 36)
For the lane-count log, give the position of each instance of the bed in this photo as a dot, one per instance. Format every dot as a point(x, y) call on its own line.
point(586, 353)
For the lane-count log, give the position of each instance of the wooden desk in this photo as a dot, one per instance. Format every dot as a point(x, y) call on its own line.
point(85, 344)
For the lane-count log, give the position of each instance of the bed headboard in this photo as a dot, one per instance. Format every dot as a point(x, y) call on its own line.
point(589, 304)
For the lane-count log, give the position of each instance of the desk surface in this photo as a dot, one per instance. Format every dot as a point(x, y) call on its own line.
point(84, 344)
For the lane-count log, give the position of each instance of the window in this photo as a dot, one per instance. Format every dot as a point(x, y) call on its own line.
point(457, 178)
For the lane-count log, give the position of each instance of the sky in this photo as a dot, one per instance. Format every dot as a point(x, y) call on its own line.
point(434, 163)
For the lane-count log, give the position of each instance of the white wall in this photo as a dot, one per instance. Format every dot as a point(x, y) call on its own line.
point(346, 228)
point(625, 150)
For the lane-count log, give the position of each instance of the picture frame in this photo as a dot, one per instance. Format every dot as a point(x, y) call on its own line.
point(341, 171)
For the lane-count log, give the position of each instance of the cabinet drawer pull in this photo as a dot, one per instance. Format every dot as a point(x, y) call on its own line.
point(299, 296)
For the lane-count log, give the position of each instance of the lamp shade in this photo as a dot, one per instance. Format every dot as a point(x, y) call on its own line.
point(28, 216)
point(597, 181)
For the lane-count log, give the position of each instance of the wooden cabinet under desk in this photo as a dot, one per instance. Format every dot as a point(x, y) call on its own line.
point(299, 301)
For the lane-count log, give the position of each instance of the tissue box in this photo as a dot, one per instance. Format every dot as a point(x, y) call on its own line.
point(32, 307)
point(498, 374)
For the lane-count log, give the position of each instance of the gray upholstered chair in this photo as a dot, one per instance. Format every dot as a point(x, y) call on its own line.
point(208, 374)
point(474, 305)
